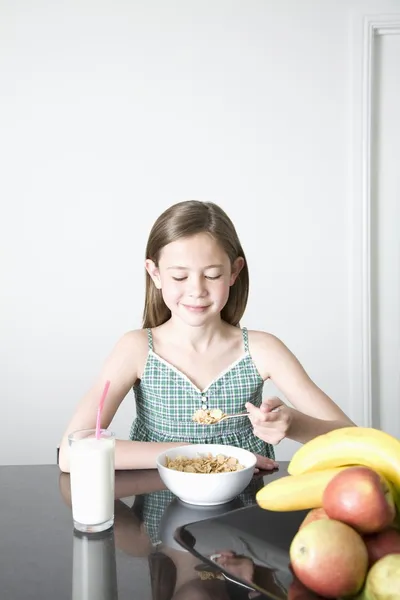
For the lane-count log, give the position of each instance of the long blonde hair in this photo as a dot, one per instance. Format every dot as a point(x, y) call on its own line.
point(183, 220)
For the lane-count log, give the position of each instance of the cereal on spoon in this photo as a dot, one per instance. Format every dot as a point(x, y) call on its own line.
point(209, 416)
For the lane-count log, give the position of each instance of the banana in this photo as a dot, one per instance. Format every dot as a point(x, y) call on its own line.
point(350, 446)
point(296, 492)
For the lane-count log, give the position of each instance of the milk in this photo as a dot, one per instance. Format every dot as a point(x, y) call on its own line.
point(92, 477)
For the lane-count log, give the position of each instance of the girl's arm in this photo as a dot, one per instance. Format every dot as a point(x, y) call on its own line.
point(314, 413)
point(122, 368)
point(127, 483)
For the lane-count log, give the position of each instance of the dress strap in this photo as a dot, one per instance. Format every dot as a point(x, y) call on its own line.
point(245, 339)
point(150, 338)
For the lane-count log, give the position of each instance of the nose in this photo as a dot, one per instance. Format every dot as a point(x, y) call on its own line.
point(197, 287)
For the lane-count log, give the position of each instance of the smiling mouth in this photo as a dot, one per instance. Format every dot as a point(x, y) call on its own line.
point(195, 307)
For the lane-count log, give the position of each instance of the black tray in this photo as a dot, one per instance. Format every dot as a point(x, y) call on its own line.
point(260, 540)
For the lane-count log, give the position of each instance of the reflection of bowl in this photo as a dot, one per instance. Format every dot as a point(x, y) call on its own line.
point(179, 513)
point(207, 489)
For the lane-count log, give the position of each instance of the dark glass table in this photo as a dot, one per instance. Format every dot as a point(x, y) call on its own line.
point(149, 554)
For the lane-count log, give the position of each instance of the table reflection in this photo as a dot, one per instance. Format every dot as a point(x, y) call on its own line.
point(146, 529)
point(94, 570)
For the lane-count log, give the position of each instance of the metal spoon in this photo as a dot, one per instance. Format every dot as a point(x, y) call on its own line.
point(245, 414)
point(233, 416)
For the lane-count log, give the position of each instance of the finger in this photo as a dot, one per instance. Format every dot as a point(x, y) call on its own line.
point(272, 417)
point(266, 409)
point(270, 435)
point(273, 465)
point(268, 467)
point(263, 462)
point(252, 410)
point(257, 416)
point(271, 404)
point(268, 418)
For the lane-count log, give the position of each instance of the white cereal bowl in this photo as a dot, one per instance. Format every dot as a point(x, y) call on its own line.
point(206, 489)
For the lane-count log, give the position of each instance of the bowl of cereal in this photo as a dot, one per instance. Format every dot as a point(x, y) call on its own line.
point(206, 474)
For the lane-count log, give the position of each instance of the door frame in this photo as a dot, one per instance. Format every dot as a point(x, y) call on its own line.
point(364, 32)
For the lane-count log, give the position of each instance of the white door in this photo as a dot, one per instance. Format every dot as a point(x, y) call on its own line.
point(385, 229)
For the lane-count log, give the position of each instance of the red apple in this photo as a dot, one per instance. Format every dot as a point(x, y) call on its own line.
point(298, 591)
point(330, 558)
point(382, 543)
point(314, 515)
point(359, 497)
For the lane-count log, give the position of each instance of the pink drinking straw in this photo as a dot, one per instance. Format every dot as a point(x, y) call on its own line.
point(100, 409)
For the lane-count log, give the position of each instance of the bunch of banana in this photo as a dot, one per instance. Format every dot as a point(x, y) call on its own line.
point(317, 461)
point(296, 492)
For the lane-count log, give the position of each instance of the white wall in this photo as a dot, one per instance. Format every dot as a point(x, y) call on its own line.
point(112, 111)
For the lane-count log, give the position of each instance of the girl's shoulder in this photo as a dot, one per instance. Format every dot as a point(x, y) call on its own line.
point(267, 351)
point(262, 338)
point(131, 350)
point(134, 336)
point(133, 343)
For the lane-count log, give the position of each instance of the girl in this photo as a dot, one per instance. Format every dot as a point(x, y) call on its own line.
point(192, 354)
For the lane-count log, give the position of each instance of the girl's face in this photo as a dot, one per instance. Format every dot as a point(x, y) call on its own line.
point(195, 275)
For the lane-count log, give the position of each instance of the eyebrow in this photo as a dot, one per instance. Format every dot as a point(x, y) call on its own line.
point(187, 268)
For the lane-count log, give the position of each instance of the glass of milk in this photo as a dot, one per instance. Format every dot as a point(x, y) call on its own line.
point(92, 477)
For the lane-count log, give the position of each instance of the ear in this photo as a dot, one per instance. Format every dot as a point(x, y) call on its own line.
point(153, 271)
point(236, 268)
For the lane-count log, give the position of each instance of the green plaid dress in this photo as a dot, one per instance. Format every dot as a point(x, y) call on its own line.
point(166, 400)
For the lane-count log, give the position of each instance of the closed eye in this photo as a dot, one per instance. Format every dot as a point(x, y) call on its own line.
point(207, 277)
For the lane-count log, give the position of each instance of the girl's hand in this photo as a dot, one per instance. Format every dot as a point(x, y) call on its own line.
point(271, 421)
point(265, 464)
